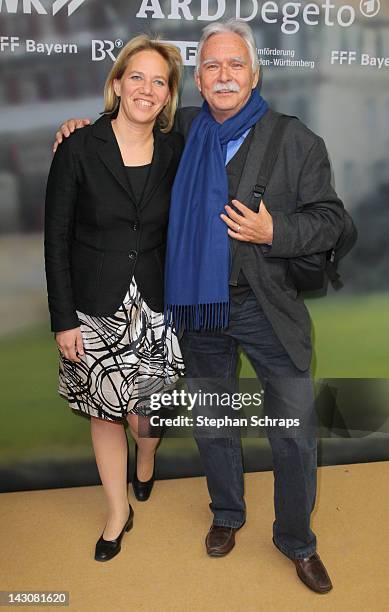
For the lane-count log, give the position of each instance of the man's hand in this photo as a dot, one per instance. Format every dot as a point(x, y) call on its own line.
point(70, 344)
point(67, 128)
point(249, 226)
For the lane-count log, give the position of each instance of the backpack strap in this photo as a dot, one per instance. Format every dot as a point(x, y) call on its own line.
point(332, 272)
point(263, 178)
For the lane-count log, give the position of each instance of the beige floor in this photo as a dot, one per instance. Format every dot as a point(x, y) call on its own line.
point(47, 540)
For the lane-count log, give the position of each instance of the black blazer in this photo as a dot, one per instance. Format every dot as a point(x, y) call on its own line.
point(96, 237)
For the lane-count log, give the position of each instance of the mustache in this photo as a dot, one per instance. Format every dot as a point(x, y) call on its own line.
point(229, 86)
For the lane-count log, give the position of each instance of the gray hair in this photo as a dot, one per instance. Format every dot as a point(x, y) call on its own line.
point(237, 27)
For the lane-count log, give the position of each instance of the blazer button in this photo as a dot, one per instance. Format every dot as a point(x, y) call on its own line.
point(132, 254)
point(135, 226)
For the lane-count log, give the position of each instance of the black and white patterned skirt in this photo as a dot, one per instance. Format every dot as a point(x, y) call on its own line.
point(128, 357)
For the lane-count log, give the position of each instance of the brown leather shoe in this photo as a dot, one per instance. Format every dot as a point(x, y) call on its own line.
point(313, 573)
point(220, 540)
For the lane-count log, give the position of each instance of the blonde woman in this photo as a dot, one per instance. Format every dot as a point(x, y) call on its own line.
point(107, 205)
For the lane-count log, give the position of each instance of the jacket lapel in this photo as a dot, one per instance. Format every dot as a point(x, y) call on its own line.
point(111, 157)
point(160, 163)
point(109, 153)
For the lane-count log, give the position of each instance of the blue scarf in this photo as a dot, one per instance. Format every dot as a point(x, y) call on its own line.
point(197, 257)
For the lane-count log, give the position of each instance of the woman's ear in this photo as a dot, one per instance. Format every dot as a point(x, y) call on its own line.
point(117, 87)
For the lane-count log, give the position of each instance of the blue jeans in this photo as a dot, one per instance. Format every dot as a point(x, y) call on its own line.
point(209, 355)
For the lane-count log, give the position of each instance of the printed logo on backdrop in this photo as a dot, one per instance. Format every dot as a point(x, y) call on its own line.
point(13, 43)
point(101, 49)
point(211, 10)
point(370, 8)
point(36, 6)
point(288, 15)
point(105, 48)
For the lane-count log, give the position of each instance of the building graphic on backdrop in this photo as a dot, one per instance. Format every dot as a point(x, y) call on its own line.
point(41, 8)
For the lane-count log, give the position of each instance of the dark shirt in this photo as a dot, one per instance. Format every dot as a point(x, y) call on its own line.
point(137, 179)
point(236, 164)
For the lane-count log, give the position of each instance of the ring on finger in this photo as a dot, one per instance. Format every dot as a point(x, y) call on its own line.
point(238, 229)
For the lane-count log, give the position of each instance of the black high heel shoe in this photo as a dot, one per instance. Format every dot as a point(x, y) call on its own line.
point(107, 549)
point(142, 489)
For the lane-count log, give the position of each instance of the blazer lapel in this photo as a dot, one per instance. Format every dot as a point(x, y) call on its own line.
point(162, 157)
point(111, 157)
point(109, 153)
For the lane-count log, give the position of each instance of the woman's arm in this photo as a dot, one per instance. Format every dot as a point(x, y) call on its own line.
point(61, 197)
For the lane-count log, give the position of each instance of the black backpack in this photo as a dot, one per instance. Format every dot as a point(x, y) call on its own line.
point(310, 272)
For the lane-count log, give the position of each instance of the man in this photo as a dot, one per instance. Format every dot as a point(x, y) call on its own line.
point(226, 143)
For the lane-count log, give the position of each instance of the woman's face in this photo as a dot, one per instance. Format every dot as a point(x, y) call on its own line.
point(144, 87)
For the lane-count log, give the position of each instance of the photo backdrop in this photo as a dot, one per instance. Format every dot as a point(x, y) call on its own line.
point(326, 62)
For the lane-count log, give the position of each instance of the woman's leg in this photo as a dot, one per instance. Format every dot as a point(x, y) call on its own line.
point(146, 446)
point(110, 446)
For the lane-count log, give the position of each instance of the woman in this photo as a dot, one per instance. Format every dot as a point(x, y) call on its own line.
point(107, 205)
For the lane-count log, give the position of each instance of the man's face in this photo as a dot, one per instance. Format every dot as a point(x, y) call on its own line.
point(225, 77)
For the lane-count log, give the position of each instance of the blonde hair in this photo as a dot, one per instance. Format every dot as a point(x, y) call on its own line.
point(169, 53)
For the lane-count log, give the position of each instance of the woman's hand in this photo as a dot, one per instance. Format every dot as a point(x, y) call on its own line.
point(70, 344)
point(67, 128)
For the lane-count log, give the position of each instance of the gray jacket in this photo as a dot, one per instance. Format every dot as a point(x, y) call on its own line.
point(307, 218)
